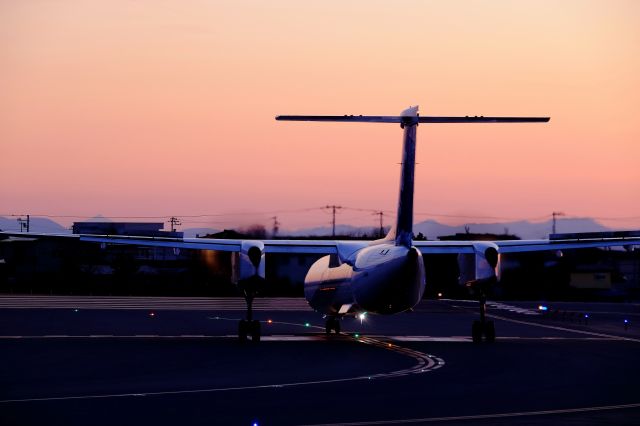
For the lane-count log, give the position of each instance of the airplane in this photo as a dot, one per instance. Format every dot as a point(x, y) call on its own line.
point(385, 276)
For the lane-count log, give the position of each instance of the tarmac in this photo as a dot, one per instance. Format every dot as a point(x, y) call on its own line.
point(75, 360)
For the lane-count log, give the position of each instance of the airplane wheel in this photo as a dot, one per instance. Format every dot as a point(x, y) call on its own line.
point(243, 331)
point(255, 331)
point(328, 325)
point(476, 332)
point(489, 332)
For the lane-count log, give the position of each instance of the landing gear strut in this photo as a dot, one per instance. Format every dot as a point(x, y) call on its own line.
point(332, 324)
point(483, 327)
point(249, 327)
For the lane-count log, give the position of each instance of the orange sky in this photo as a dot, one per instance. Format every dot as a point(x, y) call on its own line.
point(152, 108)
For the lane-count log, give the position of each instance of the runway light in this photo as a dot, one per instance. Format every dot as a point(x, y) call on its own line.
point(75, 310)
point(269, 321)
point(389, 345)
point(306, 324)
point(439, 294)
point(542, 308)
point(357, 336)
point(152, 314)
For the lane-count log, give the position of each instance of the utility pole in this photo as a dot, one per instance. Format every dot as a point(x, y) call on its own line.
point(174, 221)
point(276, 226)
point(24, 224)
point(554, 215)
point(381, 215)
point(333, 221)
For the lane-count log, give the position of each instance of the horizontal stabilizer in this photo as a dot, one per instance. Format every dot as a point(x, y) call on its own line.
point(401, 119)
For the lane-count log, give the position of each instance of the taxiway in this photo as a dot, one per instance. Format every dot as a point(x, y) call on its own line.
point(88, 360)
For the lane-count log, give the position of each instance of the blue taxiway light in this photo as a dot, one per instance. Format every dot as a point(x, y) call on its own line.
point(626, 321)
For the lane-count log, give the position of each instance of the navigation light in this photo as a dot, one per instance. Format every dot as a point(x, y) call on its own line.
point(542, 308)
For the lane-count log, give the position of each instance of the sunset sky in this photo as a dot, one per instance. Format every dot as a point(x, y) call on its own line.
point(160, 108)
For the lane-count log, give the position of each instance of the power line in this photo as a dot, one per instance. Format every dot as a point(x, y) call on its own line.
point(554, 215)
point(333, 221)
point(276, 226)
point(174, 221)
point(381, 216)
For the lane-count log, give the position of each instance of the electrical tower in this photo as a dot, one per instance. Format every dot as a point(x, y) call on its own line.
point(24, 223)
point(174, 221)
point(381, 216)
point(333, 221)
point(555, 215)
point(276, 226)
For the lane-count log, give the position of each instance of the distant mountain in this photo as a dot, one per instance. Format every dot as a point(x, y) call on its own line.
point(96, 218)
point(430, 228)
point(433, 229)
point(36, 224)
point(193, 232)
point(327, 230)
point(524, 229)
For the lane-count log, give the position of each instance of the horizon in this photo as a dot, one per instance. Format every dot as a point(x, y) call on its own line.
point(577, 224)
point(130, 109)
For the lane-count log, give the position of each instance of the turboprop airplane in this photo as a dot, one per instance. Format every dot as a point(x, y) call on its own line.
point(384, 276)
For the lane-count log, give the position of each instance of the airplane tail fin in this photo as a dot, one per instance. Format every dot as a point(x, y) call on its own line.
point(402, 232)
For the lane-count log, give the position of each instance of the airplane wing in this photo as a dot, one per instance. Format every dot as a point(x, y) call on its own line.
point(342, 248)
point(519, 246)
point(270, 246)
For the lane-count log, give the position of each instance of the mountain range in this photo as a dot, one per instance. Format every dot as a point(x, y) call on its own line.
point(430, 228)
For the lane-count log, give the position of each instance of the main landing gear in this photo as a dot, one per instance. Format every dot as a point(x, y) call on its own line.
point(332, 324)
point(483, 327)
point(249, 328)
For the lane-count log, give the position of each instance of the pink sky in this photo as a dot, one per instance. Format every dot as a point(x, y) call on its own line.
point(159, 108)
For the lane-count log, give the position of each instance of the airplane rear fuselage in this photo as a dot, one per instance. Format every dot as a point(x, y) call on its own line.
point(383, 279)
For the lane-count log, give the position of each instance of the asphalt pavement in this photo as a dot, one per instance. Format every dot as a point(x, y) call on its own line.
point(69, 360)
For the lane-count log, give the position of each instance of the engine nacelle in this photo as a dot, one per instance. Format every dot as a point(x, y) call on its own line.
point(249, 262)
point(482, 265)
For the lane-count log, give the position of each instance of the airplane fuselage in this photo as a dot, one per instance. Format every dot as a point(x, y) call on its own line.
point(384, 278)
